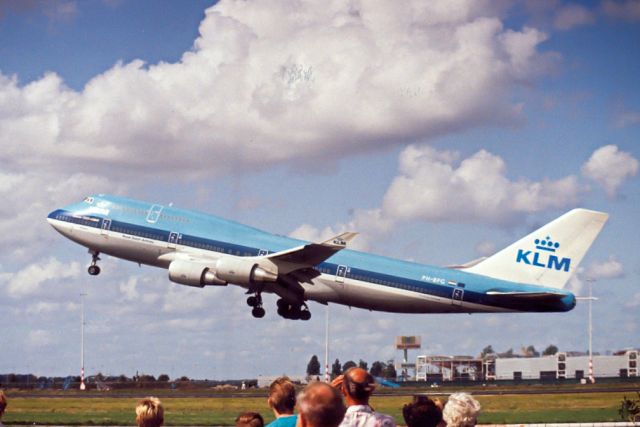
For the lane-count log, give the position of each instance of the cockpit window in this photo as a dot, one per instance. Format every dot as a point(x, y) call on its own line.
point(89, 200)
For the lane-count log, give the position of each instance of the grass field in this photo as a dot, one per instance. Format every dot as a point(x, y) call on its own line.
point(97, 410)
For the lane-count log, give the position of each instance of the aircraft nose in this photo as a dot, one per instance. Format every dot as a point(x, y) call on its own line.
point(54, 219)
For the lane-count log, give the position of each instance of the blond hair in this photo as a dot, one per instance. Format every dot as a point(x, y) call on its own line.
point(149, 412)
point(461, 410)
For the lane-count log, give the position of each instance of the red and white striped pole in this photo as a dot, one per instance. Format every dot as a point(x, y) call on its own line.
point(82, 385)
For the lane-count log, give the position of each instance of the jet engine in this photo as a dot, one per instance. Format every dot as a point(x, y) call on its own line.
point(241, 271)
point(192, 273)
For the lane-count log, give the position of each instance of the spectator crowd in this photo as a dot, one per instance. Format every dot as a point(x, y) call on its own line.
point(343, 403)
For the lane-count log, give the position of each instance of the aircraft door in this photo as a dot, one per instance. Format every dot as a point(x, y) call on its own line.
point(154, 214)
point(341, 272)
point(457, 296)
point(173, 239)
point(105, 226)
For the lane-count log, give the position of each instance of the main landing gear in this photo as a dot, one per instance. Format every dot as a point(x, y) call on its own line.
point(93, 269)
point(255, 301)
point(285, 309)
point(293, 311)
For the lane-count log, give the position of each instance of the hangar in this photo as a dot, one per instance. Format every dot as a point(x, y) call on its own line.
point(565, 365)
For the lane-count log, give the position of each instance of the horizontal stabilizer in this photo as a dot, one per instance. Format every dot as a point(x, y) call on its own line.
point(467, 264)
point(538, 296)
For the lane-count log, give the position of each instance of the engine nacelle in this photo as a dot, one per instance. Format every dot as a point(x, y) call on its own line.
point(242, 271)
point(193, 274)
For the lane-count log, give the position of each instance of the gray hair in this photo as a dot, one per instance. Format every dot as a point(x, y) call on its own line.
point(461, 410)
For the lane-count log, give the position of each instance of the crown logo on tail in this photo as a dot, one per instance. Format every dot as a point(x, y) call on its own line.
point(546, 244)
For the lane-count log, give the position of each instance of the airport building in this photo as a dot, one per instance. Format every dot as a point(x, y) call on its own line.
point(556, 367)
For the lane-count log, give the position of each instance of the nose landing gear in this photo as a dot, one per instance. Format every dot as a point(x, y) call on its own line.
point(93, 269)
point(255, 301)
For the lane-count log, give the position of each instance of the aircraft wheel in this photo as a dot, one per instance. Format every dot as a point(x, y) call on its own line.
point(252, 301)
point(282, 304)
point(258, 312)
point(295, 312)
point(93, 270)
point(305, 315)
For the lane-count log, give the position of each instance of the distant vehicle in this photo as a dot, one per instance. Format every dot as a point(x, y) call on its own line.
point(203, 250)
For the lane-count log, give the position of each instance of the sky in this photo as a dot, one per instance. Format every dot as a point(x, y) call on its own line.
point(440, 131)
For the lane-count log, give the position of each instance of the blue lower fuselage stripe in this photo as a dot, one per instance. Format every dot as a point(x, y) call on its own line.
point(444, 291)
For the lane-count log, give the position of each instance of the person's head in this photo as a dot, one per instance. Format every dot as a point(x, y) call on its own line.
point(149, 412)
point(249, 419)
point(282, 396)
point(461, 410)
point(422, 412)
point(320, 405)
point(3, 403)
point(357, 386)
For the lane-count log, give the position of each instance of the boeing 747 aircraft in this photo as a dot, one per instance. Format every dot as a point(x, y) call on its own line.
point(203, 250)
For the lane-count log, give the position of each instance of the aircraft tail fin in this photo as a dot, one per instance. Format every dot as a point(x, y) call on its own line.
point(548, 256)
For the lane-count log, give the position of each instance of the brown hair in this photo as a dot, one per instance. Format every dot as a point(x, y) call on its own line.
point(249, 419)
point(3, 402)
point(282, 395)
point(422, 412)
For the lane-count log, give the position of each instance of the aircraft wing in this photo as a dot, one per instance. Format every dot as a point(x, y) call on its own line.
point(540, 296)
point(310, 254)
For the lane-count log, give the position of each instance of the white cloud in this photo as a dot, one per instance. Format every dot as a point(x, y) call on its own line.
point(368, 223)
point(30, 279)
point(634, 301)
point(434, 186)
point(328, 78)
point(609, 269)
point(439, 186)
point(40, 338)
point(598, 270)
point(573, 15)
point(42, 307)
point(610, 167)
point(486, 248)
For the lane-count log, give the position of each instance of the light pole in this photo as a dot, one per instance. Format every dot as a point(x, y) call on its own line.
point(82, 385)
point(327, 376)
point(591, 377)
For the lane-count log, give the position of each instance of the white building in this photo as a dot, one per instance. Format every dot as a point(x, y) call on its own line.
point(558, 366)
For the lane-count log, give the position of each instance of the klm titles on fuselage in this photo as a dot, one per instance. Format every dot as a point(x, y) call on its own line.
point(545, 258)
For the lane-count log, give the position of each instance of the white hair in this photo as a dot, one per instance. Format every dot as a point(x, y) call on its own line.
point(461, 410)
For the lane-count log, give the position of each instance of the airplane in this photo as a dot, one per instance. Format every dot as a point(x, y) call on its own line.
point(203, 250)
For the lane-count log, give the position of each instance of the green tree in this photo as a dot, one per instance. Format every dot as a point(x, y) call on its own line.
point(313, 367)
point(630, 409)
point(486, 351)
point(336, 369)
point(348, 365)
point(163, 378)
point(377, 368)
point(362, 364)
point(550, 350)
point(531, 351)
point(390, 370)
